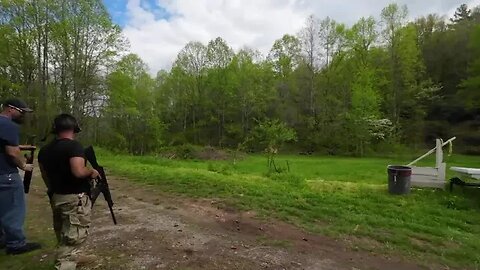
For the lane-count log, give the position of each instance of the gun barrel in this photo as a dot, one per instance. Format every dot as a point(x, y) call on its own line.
point(113, 215)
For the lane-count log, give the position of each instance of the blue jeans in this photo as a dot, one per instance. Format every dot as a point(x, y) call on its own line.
point(12, 210)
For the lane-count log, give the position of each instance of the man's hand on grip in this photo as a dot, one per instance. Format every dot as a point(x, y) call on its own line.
point(27, 167)
point(94, 174)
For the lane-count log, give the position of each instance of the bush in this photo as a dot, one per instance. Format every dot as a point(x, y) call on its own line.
point(186, 151)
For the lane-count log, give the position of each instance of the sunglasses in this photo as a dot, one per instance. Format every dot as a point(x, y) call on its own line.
point(16, 108)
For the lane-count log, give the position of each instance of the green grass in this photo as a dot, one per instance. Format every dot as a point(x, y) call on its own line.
point(340, 197)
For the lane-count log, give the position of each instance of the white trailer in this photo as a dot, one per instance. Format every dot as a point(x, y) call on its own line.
point(467, 172)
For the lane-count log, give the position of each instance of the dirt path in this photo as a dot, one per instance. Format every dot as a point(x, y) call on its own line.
point(158, 232)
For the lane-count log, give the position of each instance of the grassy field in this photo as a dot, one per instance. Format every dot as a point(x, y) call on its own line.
point(344, 198)
point(340, 197)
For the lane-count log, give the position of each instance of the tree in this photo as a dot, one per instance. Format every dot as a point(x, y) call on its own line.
point(272, 135)
point(285, 58)
point(253, 92)
point(131, 108)
point(309, 37)
point(470, 92)
point(393, 19)
point(285, 55)
point(311, 51)
point(361, 37)
point(57, 55)
point(428, 26)
point(219, 56)
point(192, 63)
point(332, 39)
point(331, 88)
point(365, 110)
point(364, 113)
point(461, 13)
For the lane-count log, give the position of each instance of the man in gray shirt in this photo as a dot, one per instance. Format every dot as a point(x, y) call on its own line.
point(12, 198)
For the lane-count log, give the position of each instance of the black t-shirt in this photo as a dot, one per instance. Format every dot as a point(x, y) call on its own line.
point(55, 160)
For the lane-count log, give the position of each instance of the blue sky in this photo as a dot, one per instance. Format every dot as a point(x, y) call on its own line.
point(119, 12)
point(159, 29)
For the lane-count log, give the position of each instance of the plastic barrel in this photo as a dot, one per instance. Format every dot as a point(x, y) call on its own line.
point(399, 179)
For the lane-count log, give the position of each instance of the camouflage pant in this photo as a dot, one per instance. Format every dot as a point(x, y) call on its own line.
point(71, 220)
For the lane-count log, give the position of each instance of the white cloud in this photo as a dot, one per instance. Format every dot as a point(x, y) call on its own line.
point(254, 23)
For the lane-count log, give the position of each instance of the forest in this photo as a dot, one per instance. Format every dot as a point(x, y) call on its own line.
point(385, 84)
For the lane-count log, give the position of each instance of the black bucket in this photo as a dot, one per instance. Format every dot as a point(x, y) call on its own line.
point(399, 179)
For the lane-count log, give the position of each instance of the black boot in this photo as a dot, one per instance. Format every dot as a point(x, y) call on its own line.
point(24, 249)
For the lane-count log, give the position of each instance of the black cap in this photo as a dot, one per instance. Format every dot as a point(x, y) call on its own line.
point(17, 104)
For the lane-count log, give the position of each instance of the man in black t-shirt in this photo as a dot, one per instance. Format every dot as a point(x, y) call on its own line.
point(62, 163)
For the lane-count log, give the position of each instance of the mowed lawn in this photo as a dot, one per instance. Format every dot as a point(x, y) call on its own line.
point(345, 198)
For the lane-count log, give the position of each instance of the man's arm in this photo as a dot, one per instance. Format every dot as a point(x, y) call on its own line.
point(79, 170)
point(16, 156)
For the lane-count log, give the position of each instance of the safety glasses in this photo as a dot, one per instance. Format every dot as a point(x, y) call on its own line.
point(18, 109)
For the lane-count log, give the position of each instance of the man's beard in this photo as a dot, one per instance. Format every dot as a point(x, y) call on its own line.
point(19, 120)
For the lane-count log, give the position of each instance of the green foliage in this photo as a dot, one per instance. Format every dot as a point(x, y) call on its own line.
point(54, 55)
point(272, 135)
point(285, 55)
point(134, 122)
point(471, 86)
point(186, 151)
point(365, 124)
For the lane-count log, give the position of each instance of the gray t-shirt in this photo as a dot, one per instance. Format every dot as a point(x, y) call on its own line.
point(9, 135)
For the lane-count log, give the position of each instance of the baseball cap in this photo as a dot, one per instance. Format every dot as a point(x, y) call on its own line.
point(17, 104)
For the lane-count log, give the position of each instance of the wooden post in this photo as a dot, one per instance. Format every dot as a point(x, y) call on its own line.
point(431, 176)
point(439, 164)
point(439, 153)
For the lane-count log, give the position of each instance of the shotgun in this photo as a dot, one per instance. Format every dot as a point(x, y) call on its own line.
point(27, 178)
